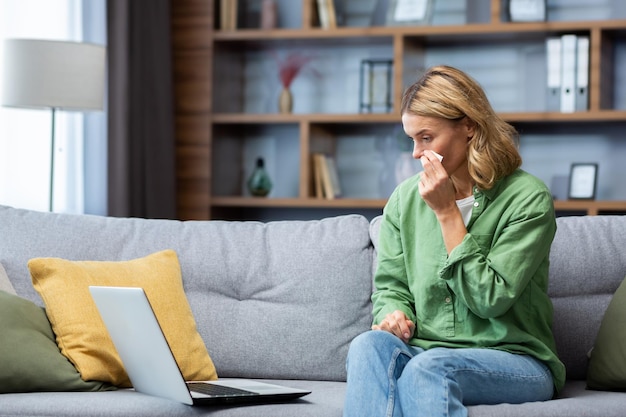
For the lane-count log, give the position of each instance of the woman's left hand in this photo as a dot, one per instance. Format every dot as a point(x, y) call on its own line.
point(438, 191)
point(435, 185)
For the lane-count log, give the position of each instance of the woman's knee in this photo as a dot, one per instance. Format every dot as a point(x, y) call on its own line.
point(374, 343)
point(434, 361)
point(369, 341)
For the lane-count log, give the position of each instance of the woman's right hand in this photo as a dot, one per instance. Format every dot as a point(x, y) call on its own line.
point(397, 323)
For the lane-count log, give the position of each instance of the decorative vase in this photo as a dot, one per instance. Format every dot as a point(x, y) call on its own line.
point(259, 183)
point(285, 101)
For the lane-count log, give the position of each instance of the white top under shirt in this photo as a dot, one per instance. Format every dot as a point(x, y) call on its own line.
point(466, 205)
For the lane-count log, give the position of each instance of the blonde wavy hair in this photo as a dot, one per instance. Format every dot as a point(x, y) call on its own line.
point(449, 93)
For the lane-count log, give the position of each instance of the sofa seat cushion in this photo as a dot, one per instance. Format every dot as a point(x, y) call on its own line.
point(607, 364)
point(573, 400)
point(31, 360)
point(81, 334)
point(326, 400)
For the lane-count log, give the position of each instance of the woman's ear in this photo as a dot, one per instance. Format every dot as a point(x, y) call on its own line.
point(470, 128)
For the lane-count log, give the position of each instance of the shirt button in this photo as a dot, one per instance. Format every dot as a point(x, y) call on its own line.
point(447, 300)
point(476, 204)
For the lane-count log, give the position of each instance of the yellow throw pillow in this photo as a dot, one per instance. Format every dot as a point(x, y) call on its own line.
point(80, 332)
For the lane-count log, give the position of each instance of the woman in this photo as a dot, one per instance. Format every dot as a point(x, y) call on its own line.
point(461, 311)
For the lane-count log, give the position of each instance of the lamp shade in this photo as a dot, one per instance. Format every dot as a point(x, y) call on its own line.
point(53, 74)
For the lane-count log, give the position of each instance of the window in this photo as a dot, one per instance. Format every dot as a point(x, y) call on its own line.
point(25, 134)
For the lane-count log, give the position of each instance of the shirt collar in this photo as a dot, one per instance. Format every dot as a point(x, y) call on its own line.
point(493, 191)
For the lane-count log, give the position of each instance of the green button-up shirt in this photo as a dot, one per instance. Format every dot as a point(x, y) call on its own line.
point(491, 290)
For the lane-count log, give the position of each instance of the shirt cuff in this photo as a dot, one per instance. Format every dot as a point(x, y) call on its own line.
point(468, 247)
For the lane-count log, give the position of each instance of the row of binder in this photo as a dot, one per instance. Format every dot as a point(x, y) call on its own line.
point(568, 73)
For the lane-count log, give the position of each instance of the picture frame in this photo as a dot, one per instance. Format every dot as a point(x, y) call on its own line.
point(409, 12)
point(583, 181)
point(375, 86)
point(527, 10)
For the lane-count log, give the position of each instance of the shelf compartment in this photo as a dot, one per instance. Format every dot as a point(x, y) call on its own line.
point(548, 151)
point(566, 10)
point(236, 148)
point(367, 156)
point(610, 81)
point(513, 74)
point(248, 82)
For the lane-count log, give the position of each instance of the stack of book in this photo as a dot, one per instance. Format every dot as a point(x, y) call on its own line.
point(326, 177)
point(567, 57)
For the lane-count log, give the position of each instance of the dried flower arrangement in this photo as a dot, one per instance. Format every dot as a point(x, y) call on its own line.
point(290, 66)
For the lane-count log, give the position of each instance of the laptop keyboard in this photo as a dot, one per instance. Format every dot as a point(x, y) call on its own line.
point(219, 390)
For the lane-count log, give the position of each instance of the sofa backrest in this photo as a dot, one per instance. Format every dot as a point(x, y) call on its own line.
point(587, 264)
point(271, 300)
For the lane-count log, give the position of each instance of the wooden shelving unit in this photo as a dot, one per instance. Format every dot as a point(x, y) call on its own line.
point(214, 116)
point(579, 206)
point(351, 203)
point(591, 207)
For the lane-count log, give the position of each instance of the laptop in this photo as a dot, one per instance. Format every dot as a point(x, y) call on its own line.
point(150, 363)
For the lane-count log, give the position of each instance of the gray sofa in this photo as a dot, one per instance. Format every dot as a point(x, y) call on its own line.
point(281, 301)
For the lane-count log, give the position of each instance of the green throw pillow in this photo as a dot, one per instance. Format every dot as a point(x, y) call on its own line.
point(607, 364)
point(31, 359)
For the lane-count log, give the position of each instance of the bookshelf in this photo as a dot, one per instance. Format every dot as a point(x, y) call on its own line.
point(226, 91)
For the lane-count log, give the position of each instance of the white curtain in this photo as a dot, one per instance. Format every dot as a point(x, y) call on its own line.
point(25, 135)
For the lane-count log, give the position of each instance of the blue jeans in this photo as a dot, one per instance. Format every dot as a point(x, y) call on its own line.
point(387, 377)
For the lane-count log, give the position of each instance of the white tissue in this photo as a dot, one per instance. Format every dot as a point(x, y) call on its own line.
point(438, 156)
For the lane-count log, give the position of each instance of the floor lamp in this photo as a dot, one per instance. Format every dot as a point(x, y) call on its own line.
point(55, 75)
